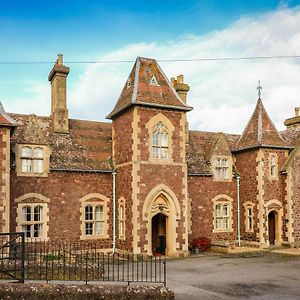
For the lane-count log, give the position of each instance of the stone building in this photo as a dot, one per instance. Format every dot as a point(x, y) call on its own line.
point(144, 182)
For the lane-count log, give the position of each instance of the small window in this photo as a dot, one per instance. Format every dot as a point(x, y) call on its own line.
point(32, 221)
point(222, 216)
point(128, 83)
point(121, 222)
point(221, 169)
point(273, 166)
point(32, 160)
point(160, 141)
point(249, 218)
point(153, 81)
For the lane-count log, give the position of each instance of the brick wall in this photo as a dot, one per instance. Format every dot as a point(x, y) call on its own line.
point(64, 189)
point(202, 190)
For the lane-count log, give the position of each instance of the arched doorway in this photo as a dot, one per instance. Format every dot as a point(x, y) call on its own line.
point(272, 227)
point(159, 234)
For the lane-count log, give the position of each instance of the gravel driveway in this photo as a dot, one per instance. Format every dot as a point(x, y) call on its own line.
point(246, 276)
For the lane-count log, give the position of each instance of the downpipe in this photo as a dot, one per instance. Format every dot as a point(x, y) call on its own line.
point(114, 212)
point(238, 210)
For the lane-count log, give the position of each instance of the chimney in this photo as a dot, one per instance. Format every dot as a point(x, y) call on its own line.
point(180, 87)
point(59, 111)
point(295, 121)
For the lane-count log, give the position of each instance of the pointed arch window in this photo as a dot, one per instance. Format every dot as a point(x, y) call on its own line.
point(160, 141)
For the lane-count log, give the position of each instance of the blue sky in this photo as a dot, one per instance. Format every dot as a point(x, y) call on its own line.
point(96, 30)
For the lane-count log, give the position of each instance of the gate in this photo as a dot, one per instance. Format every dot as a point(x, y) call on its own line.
point(12, 256)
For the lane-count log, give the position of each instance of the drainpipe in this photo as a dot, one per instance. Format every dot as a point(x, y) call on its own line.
point(114, 211)
point(238, 209)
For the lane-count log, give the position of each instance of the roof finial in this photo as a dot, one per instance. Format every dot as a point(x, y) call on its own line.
point(259, 88)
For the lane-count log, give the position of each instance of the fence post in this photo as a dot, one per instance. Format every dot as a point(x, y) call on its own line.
point(86, 267)
point(165, 272)
point(22, 258)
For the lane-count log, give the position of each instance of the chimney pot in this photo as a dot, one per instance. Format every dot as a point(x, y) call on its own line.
point(60, 59)
point(180, 78)
point(297, 111)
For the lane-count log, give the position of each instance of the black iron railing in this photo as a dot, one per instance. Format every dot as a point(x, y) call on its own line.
point(12, 259)
point(80, 261)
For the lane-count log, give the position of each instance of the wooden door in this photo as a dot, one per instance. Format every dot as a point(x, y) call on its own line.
point(272, 227)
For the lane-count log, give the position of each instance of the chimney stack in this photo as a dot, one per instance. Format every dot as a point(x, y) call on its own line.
point(295, 121)
point(59, 111)
point(180, 87)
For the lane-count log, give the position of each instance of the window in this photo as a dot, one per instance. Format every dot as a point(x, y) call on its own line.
point(32, 221)
point(222, 215)
point(249, 216)
point(32, 160)
point(94, 220)
point(273, 166)
point(121, 222)
point(160, 141)
point(153, 81)
point(221, 169)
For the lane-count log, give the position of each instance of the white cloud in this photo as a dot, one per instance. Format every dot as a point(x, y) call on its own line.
point(223, 93)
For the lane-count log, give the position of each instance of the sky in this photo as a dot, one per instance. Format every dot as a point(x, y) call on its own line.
point(222, 93)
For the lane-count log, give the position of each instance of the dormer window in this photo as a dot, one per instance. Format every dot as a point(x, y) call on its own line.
point(160, 142)
point(153, 81)
point(221, 170)
point(128, 83)
point(32, 160)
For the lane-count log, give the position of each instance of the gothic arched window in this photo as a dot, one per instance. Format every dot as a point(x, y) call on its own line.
point(160, 141)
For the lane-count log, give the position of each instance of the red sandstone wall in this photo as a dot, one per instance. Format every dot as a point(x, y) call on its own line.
point(152, 175)
point(64, 190)
point(202, 190)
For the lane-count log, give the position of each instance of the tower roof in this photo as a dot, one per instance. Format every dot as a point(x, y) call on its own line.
point(147, 85)
point(5, 119)
point(260, 130)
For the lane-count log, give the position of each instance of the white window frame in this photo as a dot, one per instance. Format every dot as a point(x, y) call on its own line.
point(32, 162)
point(221, 168)
point(122, 218)
point(222, 221)
point(249, 218)
point(94, 200)
point(36, 200)
point(273, 166)
point(96, 222)
point(160, 142)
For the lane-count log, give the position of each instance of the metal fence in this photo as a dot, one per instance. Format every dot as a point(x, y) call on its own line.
point(76, 261)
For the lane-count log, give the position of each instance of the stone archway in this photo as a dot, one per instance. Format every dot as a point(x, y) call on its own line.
point(274, 230)
point(161, 203)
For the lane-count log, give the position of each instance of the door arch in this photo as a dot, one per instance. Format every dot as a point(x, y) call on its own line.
point(163, 203)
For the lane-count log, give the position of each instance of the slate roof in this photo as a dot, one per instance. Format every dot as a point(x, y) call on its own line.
point(201, 144)
point(138, 90)
point(260, 130)
point(87, 147)
point(291, 136)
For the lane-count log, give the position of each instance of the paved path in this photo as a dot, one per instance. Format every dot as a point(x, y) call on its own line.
point(245, 276)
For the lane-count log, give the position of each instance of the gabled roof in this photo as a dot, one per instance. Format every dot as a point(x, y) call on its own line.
point(260, 130)
point(5, 119)
point(141, 89)
point(200, 146)
point(87, 147)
